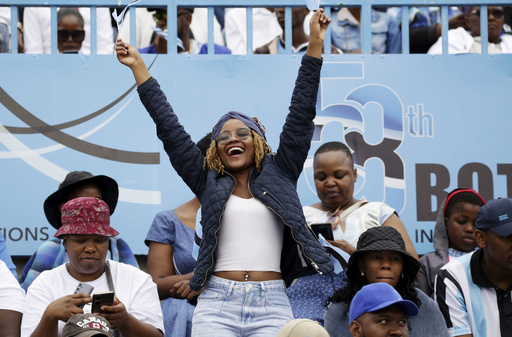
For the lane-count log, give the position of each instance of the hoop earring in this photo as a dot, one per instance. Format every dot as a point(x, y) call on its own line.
point(403, 276)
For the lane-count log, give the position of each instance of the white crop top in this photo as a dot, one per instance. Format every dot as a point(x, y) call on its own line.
point(250, 237)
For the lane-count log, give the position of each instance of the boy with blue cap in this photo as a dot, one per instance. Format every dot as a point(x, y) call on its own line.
point(474, 291)
point(379, 310)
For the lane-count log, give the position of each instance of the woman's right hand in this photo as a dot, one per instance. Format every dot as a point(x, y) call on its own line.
point(182, 290)
point(65, 307)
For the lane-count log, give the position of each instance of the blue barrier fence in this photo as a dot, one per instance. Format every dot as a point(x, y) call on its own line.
point(420, 125)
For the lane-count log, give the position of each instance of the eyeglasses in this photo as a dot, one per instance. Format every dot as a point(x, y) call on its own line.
point(76, 35)
point(241, 133)
point(496, 13)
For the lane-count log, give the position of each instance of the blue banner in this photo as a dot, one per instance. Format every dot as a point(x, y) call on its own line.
point(419, 126)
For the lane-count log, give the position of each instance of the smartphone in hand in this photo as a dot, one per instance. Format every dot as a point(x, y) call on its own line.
point(100, 299)
point(323, 228)
point(83, 288)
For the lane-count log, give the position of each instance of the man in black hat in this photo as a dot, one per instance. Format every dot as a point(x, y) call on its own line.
point(76, 184)
point(474, 291)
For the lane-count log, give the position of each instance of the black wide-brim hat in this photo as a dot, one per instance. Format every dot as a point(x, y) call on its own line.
point(382, 238)
point(107, 186)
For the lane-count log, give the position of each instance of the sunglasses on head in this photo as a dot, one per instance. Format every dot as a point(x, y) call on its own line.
point(159, 16)
point(76, 35)
point(496, 13)
point(241, 133)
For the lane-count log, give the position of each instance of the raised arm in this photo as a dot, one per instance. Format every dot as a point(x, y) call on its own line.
point(295, 138)
point(318, 27)
point(130, 57)
point(177, 142)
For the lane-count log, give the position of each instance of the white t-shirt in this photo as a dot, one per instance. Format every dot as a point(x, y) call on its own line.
point(460, 41)
point(265, 28)
point(133, 287)
point(5, 16)
point(369, 215)
point(12, 297)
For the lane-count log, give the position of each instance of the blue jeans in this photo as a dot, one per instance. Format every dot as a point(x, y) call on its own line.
point(230, 308)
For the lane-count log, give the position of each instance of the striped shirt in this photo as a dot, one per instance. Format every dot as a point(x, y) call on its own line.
point(470, 302)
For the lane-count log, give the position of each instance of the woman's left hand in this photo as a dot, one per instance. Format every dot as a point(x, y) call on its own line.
point(343, 245)
point(318, 25)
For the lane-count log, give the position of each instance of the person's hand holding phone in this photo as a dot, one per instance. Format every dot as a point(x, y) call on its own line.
point(65, 307)
point(115, 314)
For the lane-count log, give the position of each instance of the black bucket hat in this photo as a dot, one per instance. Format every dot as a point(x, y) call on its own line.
point(108, 187)
point(382, 238)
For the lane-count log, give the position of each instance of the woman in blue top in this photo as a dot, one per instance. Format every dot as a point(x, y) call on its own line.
point(245, 189)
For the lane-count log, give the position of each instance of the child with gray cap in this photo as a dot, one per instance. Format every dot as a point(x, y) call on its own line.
point(474, 291)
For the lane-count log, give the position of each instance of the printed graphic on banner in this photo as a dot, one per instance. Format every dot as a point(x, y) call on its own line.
point(349, 113)
point(411, 145)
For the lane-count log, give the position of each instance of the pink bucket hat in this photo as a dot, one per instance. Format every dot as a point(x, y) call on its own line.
point(85, 215)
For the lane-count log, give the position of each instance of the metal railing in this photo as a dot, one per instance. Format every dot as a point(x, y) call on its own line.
point(172, 5)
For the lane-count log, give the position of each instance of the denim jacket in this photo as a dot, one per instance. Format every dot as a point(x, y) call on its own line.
point(346, 33)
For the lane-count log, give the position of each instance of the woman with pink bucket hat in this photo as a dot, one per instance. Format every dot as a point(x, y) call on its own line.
point(51, 300)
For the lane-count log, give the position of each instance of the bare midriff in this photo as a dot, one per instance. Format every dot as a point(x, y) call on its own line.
point(250, 276)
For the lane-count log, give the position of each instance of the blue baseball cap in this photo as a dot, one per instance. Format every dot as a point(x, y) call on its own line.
point(377, 296)
point(496, 215)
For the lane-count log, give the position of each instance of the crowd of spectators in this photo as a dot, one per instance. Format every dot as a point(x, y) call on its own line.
point(230, 35)
point(260, 266)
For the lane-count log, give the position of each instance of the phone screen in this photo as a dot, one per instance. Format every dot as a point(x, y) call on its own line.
point(323, 228)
